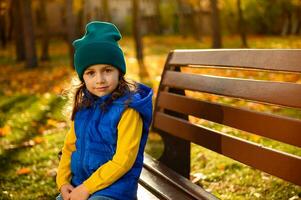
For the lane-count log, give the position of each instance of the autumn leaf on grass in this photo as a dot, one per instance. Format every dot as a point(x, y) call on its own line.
point(23, 170)
point(38, 140)
point(6, 130)
point(52, 122)
point(221, 167)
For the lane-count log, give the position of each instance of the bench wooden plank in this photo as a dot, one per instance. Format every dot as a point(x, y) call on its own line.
point(161, 187)
point(144, 194)
point(280, 128)
point(276, 59)
point(167, 184)
point(286, 94)
point(274, 162)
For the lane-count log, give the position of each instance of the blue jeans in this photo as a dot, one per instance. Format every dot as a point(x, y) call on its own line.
point(91, 198)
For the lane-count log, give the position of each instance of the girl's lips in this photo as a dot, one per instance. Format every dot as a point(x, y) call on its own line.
point(101, 88)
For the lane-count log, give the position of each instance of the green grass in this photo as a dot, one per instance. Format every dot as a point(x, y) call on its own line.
point(229, 179)
point(19, 149)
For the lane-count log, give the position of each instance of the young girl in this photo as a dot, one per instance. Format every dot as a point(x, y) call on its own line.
point(102, 155)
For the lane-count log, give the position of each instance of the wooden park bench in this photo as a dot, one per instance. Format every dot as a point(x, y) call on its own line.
point(167, 178)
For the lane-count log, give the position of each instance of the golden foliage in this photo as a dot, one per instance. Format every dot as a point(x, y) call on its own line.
point(40, 80)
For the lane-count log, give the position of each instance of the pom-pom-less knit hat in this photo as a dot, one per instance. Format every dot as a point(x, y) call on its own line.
point(99, 45)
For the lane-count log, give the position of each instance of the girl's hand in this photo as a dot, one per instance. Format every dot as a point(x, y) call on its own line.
point(79, 193)
point(66, 191)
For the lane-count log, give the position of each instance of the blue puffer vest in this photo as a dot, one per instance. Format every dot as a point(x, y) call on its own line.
point(96, 139)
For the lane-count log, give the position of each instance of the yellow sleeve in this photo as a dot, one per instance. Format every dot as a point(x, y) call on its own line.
point(128, 141)
point(64, 171)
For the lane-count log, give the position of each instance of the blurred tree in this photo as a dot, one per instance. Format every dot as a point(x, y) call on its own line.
point(184, 12)
point(241, 25)
point(18, 30)
point(269, 17)
point(10, 22)
point(215, 22)
point(298, 21)
point(106, 15)
point(86, 11)
point(197, 18)
point(3, 37)
point(71, 35)
point(189, 12)
point(143, 74)
point(169, 19)
point(45, 31)
point(287, 14)
point(158, 24)
point(29, 39)
point(78, 7)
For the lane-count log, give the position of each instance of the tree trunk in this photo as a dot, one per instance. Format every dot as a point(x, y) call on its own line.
point(143, 74)
point(45, 32)
point(298, 28)
point(106, 10)
point(241, 25)
point(86, 11)
point(80, 26)
point(18, 30)
point(216, 32)
point(29, 38)
point(2, 31)
point(182, 28)
point(158, 24)
point(3, 37)
point(197, 21)
point(11, 22)
point(70, 29)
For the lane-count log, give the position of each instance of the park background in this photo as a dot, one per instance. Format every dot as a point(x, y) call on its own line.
point(36, 69)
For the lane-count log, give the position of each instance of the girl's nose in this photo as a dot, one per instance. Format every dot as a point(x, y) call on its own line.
point(100, 78)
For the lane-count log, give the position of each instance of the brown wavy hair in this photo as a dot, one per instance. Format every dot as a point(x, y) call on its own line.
point(122, 88)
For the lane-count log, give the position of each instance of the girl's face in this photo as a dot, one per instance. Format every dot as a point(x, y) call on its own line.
point(101, 79)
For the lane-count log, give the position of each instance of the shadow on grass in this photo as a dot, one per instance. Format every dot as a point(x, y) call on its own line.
point(9, 154)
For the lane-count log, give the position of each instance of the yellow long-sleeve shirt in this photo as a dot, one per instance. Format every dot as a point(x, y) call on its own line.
point(128, 141)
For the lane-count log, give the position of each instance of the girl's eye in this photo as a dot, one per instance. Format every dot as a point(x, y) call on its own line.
point(90, 73)
point(108, 70)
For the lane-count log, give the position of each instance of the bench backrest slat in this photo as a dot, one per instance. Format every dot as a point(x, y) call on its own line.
point(247, 89)
point(277, 59)
point(173, 108)
point(271, 161)
point(227, 115)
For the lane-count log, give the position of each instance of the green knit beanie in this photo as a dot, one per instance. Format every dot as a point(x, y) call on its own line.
point(99, 45)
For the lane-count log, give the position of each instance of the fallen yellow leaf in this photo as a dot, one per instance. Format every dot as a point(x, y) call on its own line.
point(51, 122)
point(23, 171)
point(38, 140)
point(6, 130)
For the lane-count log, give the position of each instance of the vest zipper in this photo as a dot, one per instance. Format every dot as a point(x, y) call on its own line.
point(82, 153)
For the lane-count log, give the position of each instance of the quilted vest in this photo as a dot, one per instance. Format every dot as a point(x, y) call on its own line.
point(96, 139)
